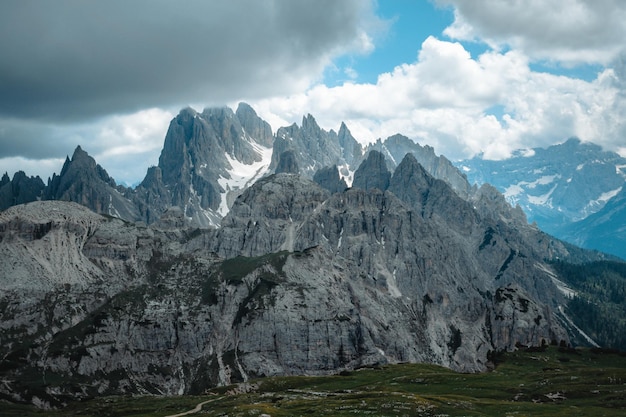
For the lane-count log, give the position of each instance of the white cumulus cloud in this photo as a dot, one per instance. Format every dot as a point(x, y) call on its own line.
point(447, 99)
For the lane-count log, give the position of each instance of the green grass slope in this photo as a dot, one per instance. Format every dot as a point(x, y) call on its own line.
point(552, 382)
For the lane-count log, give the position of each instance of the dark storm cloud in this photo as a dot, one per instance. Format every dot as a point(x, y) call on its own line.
point(32, 139)
point(68, 60)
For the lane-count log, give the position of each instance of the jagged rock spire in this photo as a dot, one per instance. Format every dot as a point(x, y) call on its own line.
point(372, 173)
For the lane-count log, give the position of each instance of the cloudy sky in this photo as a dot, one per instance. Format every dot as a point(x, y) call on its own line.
point(464, 76)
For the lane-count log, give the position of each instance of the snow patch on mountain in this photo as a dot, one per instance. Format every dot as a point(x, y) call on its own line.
point(516, 189)
point(241, 175)
point(578, 329)
point(542, 200)
point(604, 197)
point(594, 205)
point(346, 174)
point(560, 285)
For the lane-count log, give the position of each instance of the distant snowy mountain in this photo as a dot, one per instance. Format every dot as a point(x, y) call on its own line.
point(604, 230)
point(556, 186)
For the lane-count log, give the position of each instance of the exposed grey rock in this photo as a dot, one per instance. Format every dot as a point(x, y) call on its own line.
point(41, 245)
point(326, 282)
point(490, 203)
point(397, 146)
point(265, 218)
point(172, 219)
point(287, 163)
point(152, 196)
point(85, 182)
point(254, 126)
point(518, 320)
point(190, 143)
point(302, 277)
point(314, 147)
point(329, 179)
point(372, 173)
point(430, 197)
point(21, 189)
point(352, 151)
point(198, 153)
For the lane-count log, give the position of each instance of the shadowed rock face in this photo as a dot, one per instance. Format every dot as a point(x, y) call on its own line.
point(254, 126)
point(329, 179)
point(395, 147)
point(85, 182)
point(372, 173)
point(19, 190)
point(287, 164)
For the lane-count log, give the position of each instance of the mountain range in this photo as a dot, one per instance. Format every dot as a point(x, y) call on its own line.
point(244, 254)
point(209, 158)
point(573, 190)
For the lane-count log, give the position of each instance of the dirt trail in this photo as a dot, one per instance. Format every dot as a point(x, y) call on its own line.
point(194, 410)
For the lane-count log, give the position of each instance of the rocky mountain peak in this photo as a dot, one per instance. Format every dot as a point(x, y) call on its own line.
point(314, 147)
point(206, 160)
point(352, 149)
point(329, 179)
point(410, 181)
point(490, 203)
point(254, 126)
point(219, 112)
point(287, 163)
point(21, 189)
point(411, 171)
point(397, 146)
point(309, 124)
point(372, 173)
point(185, 119)
point(84, 181)
point(153, 176)
point(432, 198)
point(80, 155)
point(555, 186)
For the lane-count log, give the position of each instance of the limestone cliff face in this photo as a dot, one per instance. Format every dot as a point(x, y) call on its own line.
point(287, 163)
point(197, 164)
point(297, 280)
point(302, 276)
point(329, 179)
point(254, 126)
point(439, 250)
point(41, 245)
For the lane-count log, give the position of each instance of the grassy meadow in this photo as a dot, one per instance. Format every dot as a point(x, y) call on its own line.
point(553, 382)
